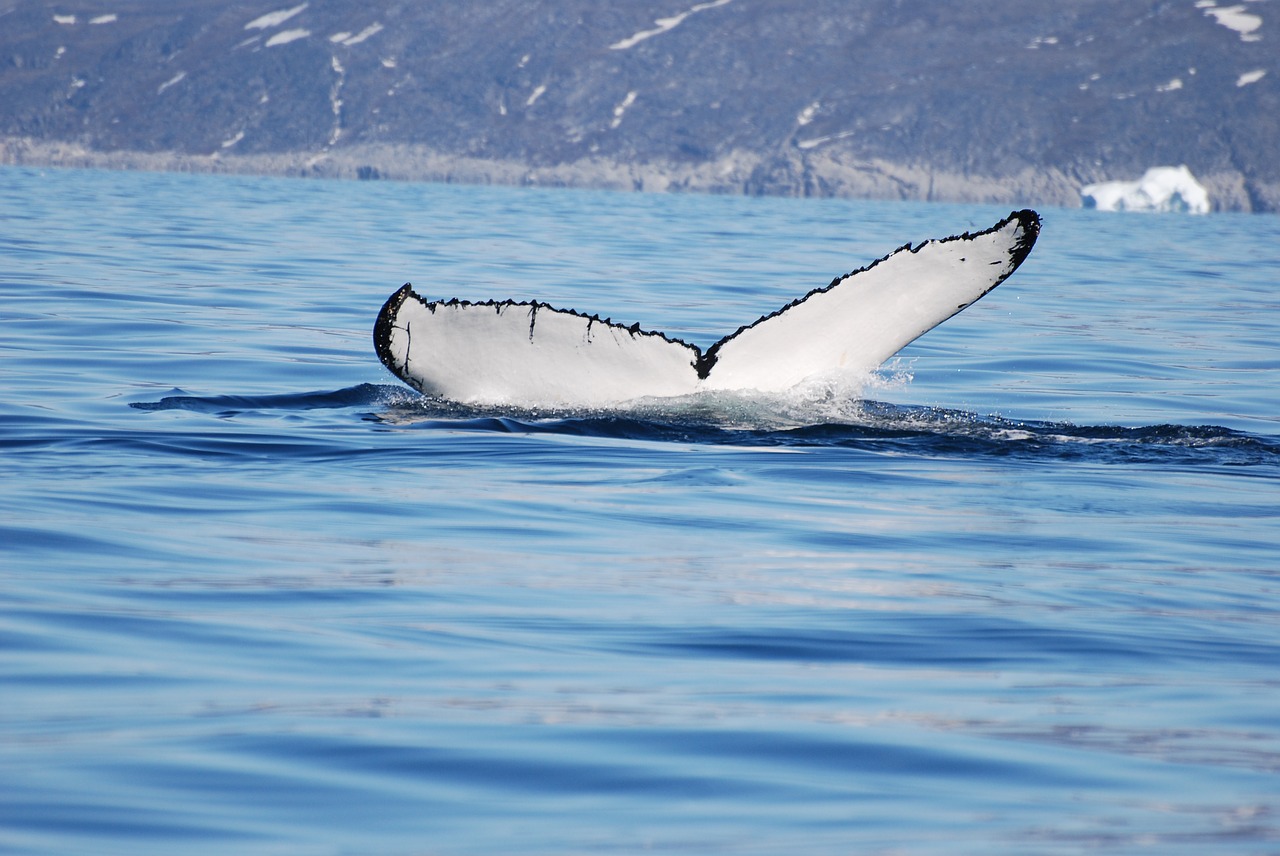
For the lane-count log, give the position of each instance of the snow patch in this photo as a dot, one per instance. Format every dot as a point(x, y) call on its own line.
point(622, 108)
point(1233, 18)
point(1161, 188)
point(664, 24)
point(105, 19)
point(64, 19)
point(274, 19)
point(537, 93)
point(1251, 77)
point(368, 32)
point(285, 36)
point(176, 79)
point(814, 142)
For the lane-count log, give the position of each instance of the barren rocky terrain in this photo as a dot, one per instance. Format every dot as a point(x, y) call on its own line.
point(987, 100)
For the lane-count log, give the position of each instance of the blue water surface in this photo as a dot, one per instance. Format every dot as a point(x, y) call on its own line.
point(1021, 595)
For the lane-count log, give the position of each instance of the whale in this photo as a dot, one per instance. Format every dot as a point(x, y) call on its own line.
point(531, 354)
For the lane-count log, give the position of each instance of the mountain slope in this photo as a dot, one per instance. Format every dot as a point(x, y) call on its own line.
point(989, 100)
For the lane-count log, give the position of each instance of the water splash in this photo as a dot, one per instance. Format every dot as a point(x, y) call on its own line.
point(830, 413)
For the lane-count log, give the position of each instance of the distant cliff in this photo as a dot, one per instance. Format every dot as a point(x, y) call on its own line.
point(985, 100)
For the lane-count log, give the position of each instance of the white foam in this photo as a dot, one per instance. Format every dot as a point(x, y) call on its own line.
point(806, 115)
point(664, 25)
point(64, 19)
point(1161, 188)
point(1172, 86)
point(284, 37)
point(274, 19)
point(537, 93)
point(1251, 77)
point(105, 19)
point(226, 144)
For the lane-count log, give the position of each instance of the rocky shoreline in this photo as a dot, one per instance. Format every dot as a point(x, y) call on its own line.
point(743, 173)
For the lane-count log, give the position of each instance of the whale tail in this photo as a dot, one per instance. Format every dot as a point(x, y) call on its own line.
point(529, 353)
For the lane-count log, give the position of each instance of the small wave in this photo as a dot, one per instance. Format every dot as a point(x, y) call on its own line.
point(361, 395)
point(818, 417)
point(749, 420)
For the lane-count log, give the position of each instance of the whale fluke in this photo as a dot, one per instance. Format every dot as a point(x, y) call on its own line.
point(532, 354)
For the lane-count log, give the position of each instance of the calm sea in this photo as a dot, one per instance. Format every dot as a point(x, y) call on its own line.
point(1022, 596)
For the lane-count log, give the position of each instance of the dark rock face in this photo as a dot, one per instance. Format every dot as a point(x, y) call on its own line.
point(987, 100)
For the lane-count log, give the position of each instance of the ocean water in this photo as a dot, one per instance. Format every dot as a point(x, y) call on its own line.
point(1020, 593)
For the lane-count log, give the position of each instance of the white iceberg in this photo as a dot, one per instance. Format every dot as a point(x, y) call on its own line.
point(1161, 188)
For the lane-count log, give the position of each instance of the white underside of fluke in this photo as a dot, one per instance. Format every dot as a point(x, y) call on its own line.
point(530, 354)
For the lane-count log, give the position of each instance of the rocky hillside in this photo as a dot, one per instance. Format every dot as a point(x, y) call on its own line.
point(986, 100)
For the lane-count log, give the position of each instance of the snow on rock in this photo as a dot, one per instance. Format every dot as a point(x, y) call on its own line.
point(806, 115)
point(346, 39)
point(664, 24)
point(173, 81)
point(274, 19)
point(622, 109)
point(1233, 18)
point(1251, 77)
point(1161, 188)
point(814, 142)
point(367, 32)
point(285, 36)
